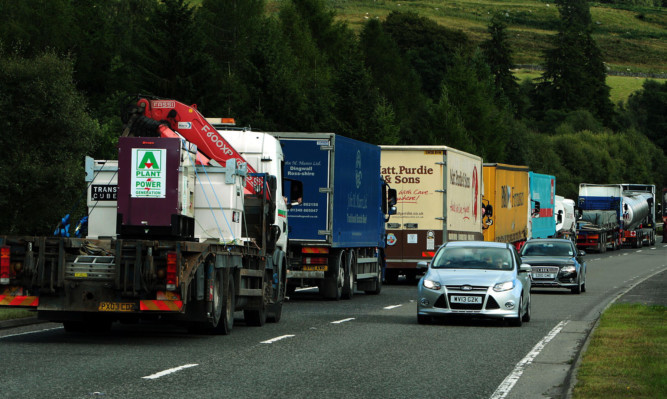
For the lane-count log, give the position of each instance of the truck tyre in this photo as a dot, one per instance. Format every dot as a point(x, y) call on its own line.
point(255, 317)
point(331, 287)
point(348, 280)
point(276, 309)
point(224, 303)
point(377, 282)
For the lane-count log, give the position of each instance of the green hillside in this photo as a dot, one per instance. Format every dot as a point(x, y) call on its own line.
point(633, 39)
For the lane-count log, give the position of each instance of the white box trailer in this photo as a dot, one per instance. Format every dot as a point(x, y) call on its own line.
point(439, 200)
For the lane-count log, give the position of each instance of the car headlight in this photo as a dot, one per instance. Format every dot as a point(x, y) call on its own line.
point(432, 285)
point(569, 269)
point(506, 286)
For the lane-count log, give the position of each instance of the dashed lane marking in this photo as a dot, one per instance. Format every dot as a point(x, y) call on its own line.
point(168, 371)
point(272, 340)
point(342, 321)
point(392, 307)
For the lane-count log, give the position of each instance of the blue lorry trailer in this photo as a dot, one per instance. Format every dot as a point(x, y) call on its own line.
point(542, 223)
point(337, 230)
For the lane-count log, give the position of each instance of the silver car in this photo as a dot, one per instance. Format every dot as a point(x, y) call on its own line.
point(475, 278)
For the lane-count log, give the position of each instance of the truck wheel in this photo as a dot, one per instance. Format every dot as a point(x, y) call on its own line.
point(331, 287)
point(224, 303)
point(276, 309)
point(378, 283)
point(255, 317)
point(348, 280)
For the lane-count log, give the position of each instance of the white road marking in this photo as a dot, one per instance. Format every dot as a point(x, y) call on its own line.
point(392, 307)
point(506, 386)
point(272, 340)
point(305, 289)
point(31, 332)
point(342, 321)
point(169, 371)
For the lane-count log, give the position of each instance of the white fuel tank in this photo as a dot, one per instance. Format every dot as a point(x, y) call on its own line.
point(635, 209)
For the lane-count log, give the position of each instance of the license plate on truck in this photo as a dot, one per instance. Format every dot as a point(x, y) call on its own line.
point(116, 307)
point(466, 299)
point(314, 268)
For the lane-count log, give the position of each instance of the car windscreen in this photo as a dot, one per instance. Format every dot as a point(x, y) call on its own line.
point(473, 258)
point(547, 249)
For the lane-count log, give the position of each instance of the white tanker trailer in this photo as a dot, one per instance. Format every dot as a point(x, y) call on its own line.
point(638, 205)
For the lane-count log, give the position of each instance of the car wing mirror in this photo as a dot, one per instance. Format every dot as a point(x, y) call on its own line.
point(525, 268)
point(422, 265)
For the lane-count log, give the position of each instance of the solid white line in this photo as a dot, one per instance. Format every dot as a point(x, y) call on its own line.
point(506, 386)
point(31, 332)
point(169, 371)
point(342, 321)
point(392, 307)
point(272, 340)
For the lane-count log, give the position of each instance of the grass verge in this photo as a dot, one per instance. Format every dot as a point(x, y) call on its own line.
point(626, 356)
point(8, 314)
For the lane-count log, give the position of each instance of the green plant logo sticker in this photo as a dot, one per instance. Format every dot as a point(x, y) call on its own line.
point(148, 173)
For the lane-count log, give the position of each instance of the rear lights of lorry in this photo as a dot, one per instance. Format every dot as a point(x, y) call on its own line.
point(172, 271)
point(315, 258)
point(4, 265)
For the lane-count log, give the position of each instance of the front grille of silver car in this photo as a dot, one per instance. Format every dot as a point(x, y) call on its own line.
point(473, 288)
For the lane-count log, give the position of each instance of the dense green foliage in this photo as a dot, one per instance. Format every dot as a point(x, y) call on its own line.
point(402, 79)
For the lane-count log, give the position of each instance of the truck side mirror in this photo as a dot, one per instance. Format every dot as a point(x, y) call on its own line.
point(295, 190)
point(559, 217)
point(488, 210)
point(536, 209)
point(389, 199)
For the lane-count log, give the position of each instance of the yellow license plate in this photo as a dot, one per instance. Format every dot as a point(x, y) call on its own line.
point(314, 268)
point(116, 307)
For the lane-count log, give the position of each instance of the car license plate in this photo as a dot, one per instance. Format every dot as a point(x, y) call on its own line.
point(465, 299)
point(544, 275)
point(116, 307)
point(314, 268)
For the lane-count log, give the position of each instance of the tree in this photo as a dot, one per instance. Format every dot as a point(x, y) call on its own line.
point(647, 111)
point(429, 47)
point(574, 76)
point(47, 132)
point(395, 79)
point(499, 57)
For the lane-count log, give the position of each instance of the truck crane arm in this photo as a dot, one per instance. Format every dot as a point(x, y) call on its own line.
point(171, 118)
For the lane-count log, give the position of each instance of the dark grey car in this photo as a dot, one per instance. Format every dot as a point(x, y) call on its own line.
point(556, 263)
